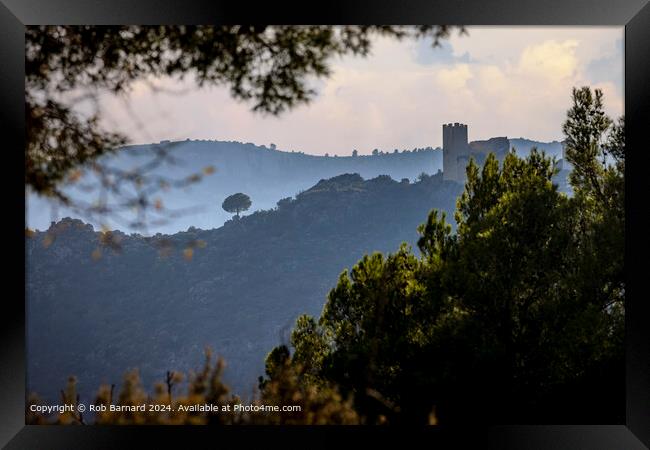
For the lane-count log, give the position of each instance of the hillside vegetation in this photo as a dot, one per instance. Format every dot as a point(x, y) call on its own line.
point(264, 173)
point(102, 302)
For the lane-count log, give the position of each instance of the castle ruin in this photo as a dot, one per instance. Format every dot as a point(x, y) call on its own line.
point(457, 151)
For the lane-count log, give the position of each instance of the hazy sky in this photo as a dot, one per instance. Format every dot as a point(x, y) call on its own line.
point(501, 81)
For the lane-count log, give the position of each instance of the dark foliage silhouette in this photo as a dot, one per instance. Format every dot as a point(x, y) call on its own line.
point(512, 312)
point(515, 318)
point(236, 203)
point(154, 302)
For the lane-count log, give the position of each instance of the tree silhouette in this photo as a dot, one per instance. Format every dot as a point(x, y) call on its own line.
point(310, 406)
point(236, 203)
point(515, 317)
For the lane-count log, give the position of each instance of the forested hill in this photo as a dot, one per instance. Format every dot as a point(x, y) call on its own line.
point(264, 173)
point(523, 147)
point(100, 303)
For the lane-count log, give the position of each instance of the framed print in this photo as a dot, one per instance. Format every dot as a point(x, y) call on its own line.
point(342, 223)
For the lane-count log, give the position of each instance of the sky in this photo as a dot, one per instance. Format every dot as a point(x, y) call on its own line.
point(501, 81)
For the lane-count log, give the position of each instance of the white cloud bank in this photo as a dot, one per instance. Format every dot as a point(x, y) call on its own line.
point(501, 81)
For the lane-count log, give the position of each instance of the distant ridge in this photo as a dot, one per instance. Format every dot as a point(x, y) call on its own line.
point(266, 174)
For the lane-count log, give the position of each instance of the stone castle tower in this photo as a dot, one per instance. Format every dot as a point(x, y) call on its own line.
point(455, 151)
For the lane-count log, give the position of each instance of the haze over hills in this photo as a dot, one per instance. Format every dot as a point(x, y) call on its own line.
point(523, 146)
point(101, 303)
point(265, 174)
point(154, 302)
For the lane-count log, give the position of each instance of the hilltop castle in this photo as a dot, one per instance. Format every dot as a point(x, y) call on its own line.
point(457, 151)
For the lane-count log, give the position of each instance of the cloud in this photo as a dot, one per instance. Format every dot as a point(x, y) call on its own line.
point(608, 68)
point(552, 60)
point(501, 81)
point(454, 78)
point(424, 53)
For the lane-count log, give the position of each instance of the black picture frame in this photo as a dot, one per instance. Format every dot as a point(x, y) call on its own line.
point(633, 14)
